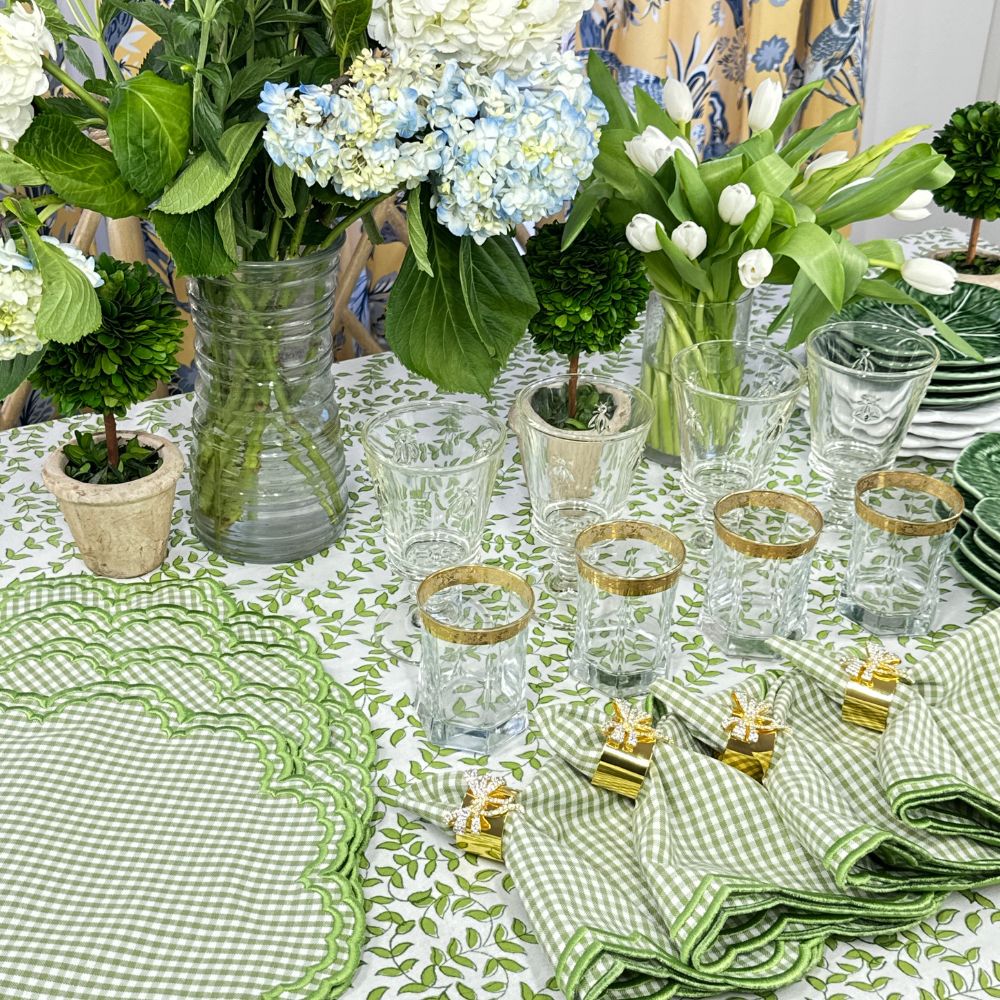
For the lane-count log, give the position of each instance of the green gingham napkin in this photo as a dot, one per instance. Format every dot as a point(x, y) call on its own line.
point(824, 784)
point(937, 760)
point(195, 663)
point(570, 851)
point(735, 889)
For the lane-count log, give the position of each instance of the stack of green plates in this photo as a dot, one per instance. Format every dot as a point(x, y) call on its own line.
point(184, 798)
point(977, 549)
point(973, 311)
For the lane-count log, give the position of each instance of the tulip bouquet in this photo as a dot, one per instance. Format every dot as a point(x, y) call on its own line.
point(712, 231)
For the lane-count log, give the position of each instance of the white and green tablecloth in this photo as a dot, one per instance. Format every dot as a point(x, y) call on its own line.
point(443, 924)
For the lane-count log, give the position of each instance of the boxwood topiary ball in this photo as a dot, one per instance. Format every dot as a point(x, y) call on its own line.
point(970, 143)
point(589, 294)
point(120, 363)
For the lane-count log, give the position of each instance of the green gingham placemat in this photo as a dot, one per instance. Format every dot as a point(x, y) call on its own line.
point(193, 660)
point(937, 761)
point(824, 783)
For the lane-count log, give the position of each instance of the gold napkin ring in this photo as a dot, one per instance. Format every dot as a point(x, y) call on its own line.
point(752, 732)
point(871, 686)
point(629, 740)
point(479, 822)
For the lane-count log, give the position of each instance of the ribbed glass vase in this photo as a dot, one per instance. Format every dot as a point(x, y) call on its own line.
point(267, 467)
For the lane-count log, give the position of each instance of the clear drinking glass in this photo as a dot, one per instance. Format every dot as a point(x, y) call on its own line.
point(672, 324)
point(866, 381)
point(902, 534)
point(434, 465)
point(733, 404)
point(759, 580)
point(579, 477)
point(472, 690)
point(628, 573)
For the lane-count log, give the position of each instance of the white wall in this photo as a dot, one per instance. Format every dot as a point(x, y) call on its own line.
point(927, 58)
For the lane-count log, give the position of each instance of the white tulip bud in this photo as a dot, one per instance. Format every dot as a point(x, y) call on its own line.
point(736, 202)
point(649, 150)
point(690, 238)
point(915, 207)
point(641, 233)
point(683, 146)
point(825, 162)
point(678, 101)
point(765, 104)
point(754, 266)
point(929, 275)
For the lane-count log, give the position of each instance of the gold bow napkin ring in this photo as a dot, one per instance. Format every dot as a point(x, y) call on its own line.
point(629, 739)
point(871, 685)
point(752, 732)
point(479, 822)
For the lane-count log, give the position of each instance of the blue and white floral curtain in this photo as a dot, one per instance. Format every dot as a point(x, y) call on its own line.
point(722, 48)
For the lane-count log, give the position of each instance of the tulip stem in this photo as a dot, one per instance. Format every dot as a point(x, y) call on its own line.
point(970, 255)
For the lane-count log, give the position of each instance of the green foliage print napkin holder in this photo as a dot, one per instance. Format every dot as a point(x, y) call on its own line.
point(937, 762)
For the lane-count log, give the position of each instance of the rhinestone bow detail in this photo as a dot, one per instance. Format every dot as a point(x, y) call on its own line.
point(629, 727)
point(877, 664)
point(750, 717)
point(488, 796)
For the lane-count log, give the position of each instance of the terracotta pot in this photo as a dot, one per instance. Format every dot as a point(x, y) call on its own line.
point(122, 529)
point(990, 280)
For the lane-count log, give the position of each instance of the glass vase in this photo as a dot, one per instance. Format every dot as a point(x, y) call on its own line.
point(673, 324)
point(267, 466)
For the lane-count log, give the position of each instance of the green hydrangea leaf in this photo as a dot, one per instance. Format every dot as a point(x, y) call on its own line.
point(458, 326)
point(149, 125)
point(76, 168)
point(69, 309)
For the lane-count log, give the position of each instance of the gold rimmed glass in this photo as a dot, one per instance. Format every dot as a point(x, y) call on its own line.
point(627, 573)
point(472, 691)
point(901, 537)
point(759, 578)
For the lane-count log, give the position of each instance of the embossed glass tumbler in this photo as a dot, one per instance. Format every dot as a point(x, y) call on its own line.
point(901, 537)
point(628, 573)
point(434, 466)
point(579, 477)
point(473, 687)
point(733, 404)
point(866, 381)
point(759, 578)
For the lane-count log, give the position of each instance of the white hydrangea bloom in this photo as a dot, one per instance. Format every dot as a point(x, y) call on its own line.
point(515, 35)
point(20, 301)
point(24, 39)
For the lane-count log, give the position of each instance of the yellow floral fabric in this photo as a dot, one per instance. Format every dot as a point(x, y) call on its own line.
point(723, 48)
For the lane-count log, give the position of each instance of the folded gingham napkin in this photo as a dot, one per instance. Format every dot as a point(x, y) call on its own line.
point(824, 784)
point(732, 884)
point(570, 851)
point(937, 761)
